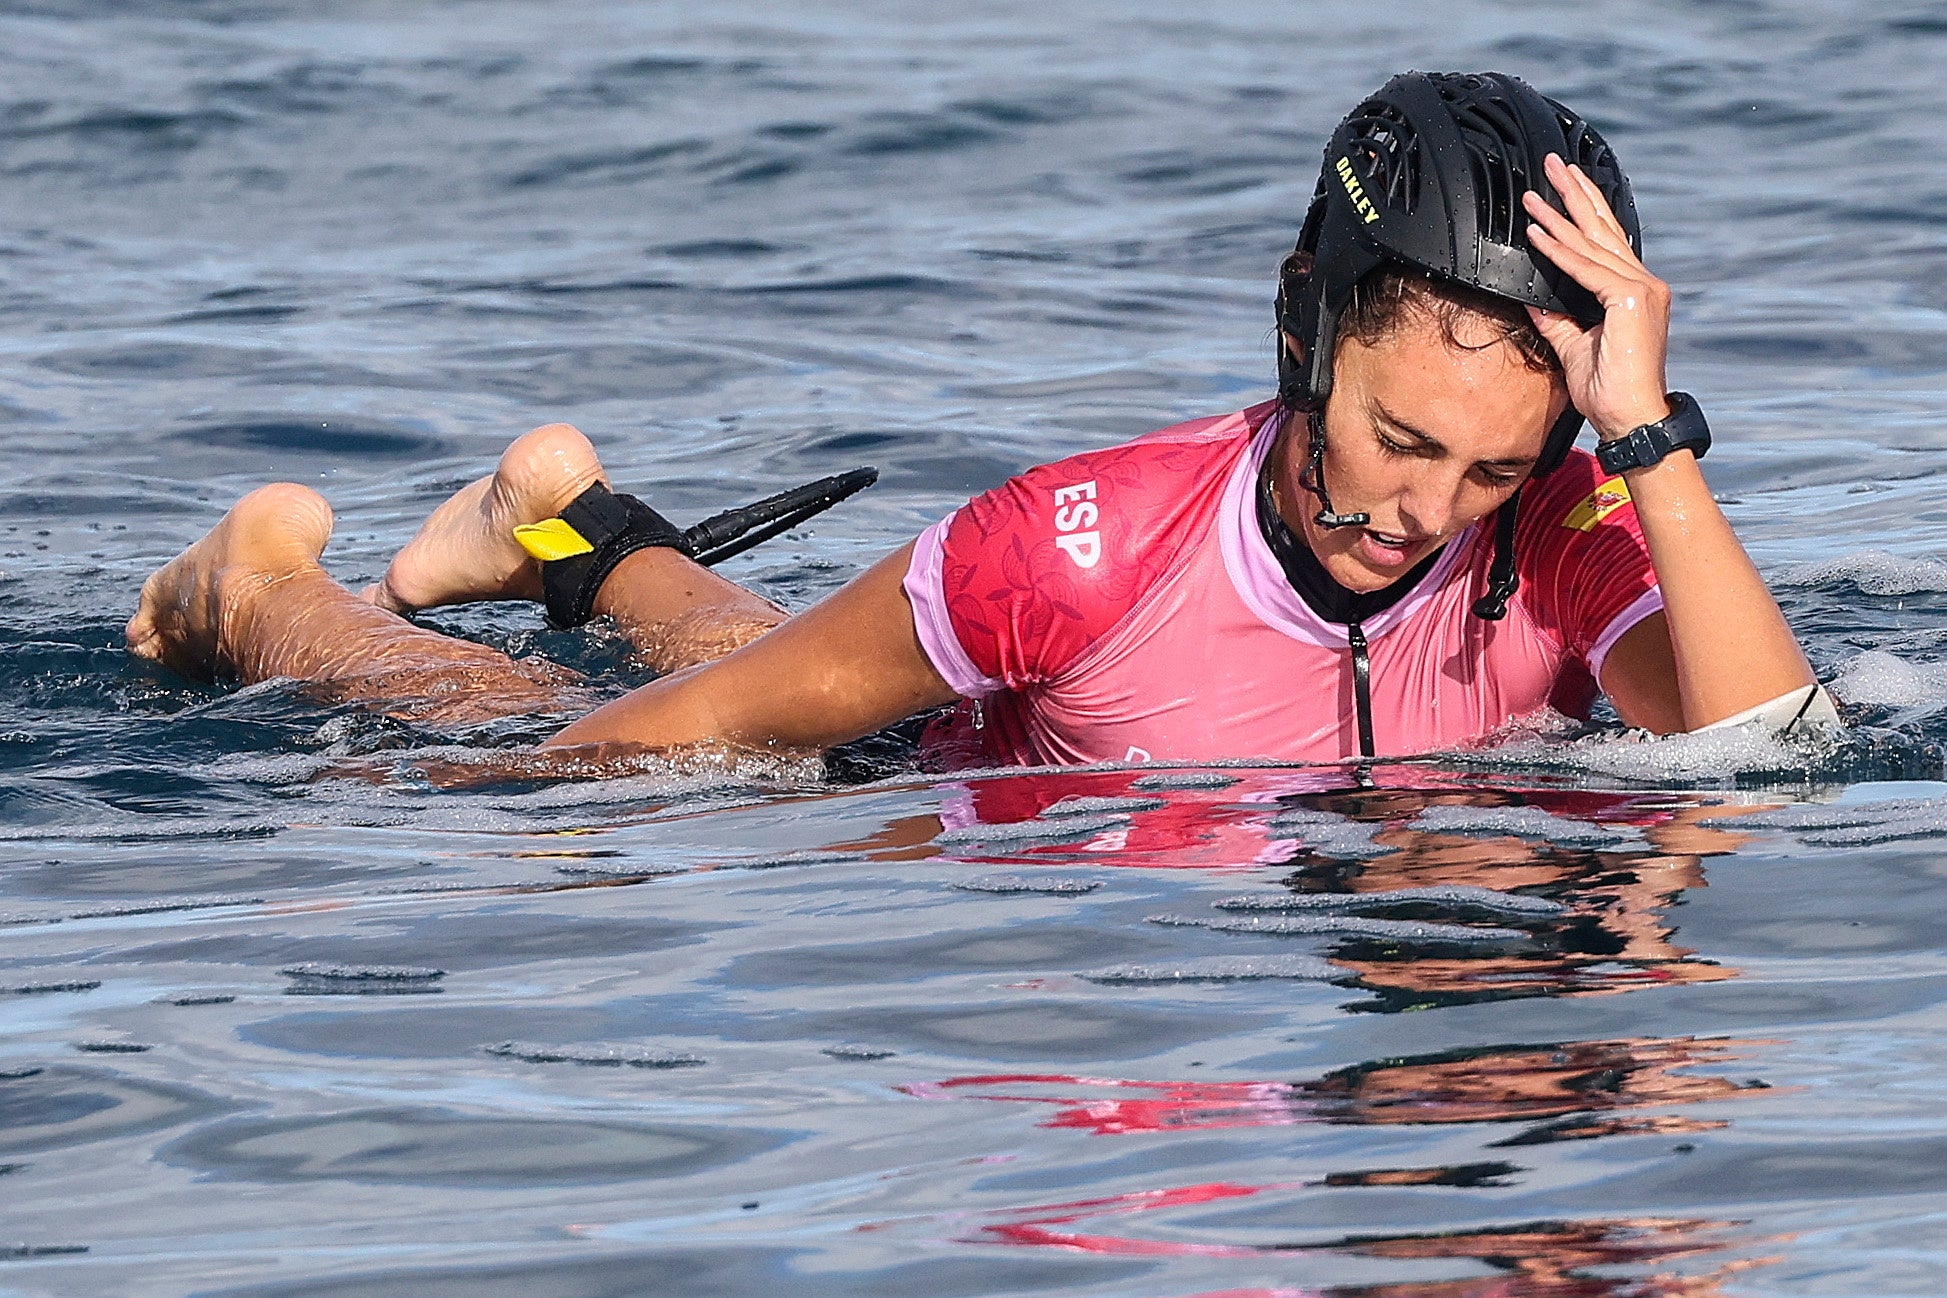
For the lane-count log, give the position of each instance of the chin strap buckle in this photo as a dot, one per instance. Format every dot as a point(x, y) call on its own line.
point(1502, 579)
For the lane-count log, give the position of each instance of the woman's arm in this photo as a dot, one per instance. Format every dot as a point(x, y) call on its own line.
point(1720, 645)
point(843, 668)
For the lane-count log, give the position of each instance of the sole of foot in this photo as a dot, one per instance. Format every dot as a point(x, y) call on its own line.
point(466, 551)
point(188, 605)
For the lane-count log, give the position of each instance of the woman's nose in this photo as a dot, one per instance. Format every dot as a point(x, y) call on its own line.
point(1431, 503)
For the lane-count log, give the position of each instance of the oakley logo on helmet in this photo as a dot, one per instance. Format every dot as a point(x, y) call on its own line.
point(1356, 192)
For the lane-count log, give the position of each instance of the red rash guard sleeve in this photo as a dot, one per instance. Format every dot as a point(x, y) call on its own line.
point(1037, 570)
point(1581, 545)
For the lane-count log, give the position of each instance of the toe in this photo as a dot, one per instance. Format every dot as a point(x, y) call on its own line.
point(140, 636)
point(379, 595)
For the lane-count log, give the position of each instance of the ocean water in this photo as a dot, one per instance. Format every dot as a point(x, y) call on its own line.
point(299, 1001)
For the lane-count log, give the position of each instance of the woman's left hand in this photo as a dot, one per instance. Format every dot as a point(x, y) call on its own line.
point(1614, 369)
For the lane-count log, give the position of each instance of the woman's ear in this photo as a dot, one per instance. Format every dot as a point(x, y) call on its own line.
point(1293, 275)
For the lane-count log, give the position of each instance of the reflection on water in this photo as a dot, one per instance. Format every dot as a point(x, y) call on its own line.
point(1543, 1259)
point(1615, 934)
point(1574, 1081)
point(1611, 864)
point(1546, 1259)
point(1533, 1259)
point(874, 1050)
point(1588, 878)
point(1570, 1091)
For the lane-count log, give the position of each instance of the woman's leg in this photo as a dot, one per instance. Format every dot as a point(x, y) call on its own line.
point(676, 612)
point(250, 599)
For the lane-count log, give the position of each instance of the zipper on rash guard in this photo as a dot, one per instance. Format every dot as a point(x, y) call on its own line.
point(1355, 636)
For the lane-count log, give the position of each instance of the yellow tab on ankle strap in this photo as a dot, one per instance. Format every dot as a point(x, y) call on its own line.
point(551, 539)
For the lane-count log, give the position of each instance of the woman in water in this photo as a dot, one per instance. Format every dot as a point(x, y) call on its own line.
point(1401, 552)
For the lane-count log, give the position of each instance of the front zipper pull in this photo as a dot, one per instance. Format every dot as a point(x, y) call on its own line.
point(1355, 636)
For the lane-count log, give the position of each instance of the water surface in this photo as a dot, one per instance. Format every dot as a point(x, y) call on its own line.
point(281, 1015)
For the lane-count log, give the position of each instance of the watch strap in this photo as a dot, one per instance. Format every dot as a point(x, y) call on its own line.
point(1684, 429)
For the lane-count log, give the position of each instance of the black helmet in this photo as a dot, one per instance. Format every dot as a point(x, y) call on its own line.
point(1429, 173)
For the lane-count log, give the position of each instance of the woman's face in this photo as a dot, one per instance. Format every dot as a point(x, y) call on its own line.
point(1422, 435)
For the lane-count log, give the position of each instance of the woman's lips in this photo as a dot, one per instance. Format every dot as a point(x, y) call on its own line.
point(1382, 550)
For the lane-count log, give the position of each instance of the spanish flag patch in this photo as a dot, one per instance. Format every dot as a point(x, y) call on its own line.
point(1598, 505)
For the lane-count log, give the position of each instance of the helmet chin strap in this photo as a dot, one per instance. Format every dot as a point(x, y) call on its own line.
point(1312, 479)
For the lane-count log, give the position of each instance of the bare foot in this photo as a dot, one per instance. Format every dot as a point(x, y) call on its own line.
point(272, 534)
point(466, 551)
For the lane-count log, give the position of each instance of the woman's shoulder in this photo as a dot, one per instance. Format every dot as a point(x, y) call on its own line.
point(1134, 489)
point(1578, 499)
point(1039, 568)
point(1580, 550)
point(1158, 462)
point(1213, 429)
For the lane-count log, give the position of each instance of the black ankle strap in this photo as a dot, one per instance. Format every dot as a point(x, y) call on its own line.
point(611, 526)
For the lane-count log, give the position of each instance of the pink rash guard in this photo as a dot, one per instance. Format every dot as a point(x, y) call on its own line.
point(1122, 605)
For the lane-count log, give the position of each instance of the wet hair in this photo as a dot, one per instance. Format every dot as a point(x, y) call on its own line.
point(1386, 298)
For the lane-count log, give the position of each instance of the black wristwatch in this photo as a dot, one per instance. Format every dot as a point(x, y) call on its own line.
point(1684, 430)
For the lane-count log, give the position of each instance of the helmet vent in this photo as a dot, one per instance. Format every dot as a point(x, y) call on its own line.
point(1379, 136)
point(1429, 174)
point(1494, 139)
point(1590, 152)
